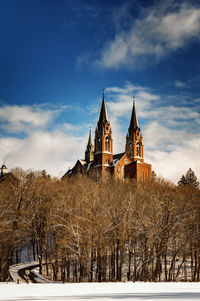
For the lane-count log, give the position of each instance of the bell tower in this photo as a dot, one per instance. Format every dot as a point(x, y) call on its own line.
point(134, 143)
point(103, 154)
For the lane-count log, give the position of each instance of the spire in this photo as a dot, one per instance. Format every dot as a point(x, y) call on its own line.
point(90, 139)
point(103, 114)
point(89, 153)
point(134, 121)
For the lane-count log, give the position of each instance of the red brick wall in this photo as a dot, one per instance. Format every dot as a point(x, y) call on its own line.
point(102, 157)
point(119, 170)
point(139, 171)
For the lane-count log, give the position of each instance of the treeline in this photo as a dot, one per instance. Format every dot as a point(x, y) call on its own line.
point(82, 230)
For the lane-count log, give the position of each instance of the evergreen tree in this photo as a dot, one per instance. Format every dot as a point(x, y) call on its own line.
point(153, 175)
point(189, 179)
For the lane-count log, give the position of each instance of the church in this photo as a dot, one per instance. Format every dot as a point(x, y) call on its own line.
point(100, 162)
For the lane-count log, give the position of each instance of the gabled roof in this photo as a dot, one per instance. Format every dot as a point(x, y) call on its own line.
point(79, 162)
point(5, 175)
point(9, 177)
point(117, 158)
point(83, 162)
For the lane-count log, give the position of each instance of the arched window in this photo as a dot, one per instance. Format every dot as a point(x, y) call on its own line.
point(98, 144)
point(130, 149)
point(138, 150)
point(107, 144)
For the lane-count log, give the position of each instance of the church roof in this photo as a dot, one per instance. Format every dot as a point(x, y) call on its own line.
point(5, 175)
point(9, 178)
point(83, 162)
point(85, 165)
point(116, 158)
point(89, 165)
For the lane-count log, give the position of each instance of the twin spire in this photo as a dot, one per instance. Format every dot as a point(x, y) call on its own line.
point(103, 118)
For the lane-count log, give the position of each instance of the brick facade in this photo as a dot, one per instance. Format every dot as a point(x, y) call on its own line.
point(129, 164)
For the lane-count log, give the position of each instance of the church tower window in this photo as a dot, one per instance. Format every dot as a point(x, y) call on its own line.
point(99, 144)
point(138, 153)
point(107, 144)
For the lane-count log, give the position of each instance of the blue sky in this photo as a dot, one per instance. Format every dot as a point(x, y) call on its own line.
point(57, 56)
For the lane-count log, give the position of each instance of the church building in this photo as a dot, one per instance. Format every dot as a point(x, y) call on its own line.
point(7, 178)
point(100, 162)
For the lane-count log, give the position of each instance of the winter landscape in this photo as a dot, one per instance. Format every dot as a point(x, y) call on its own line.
point(99, 150)
point(101, 291)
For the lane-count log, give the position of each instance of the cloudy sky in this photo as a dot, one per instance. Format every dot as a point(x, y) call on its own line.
point(57, 56)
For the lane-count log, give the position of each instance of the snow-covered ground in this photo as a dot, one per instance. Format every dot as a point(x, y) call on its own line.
point(138, 291)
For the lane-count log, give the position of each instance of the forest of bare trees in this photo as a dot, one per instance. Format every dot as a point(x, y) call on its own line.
point(83, 230)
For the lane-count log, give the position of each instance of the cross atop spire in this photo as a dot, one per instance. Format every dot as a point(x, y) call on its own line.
point(103, 114)
point(134, 121)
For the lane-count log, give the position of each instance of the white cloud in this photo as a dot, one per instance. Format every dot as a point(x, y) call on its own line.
point(23, 118)
point(68, 127)
point(54, 151)
point(121, 99)
point(172, 152)
point(157, 32)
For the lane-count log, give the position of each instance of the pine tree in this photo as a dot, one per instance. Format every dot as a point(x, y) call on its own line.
point(189, 179)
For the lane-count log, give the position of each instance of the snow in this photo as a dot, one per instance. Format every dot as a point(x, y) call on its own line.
point(89, 166)
point(138, 291)
point(82, 162)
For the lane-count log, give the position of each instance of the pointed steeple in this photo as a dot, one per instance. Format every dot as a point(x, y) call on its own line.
point(134, 144)
point(103, 155)
point(90, 139)
point(103, 114)
point(134, 121)
point(89, 153)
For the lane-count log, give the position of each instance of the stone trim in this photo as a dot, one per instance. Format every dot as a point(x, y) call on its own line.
point(104, 152)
